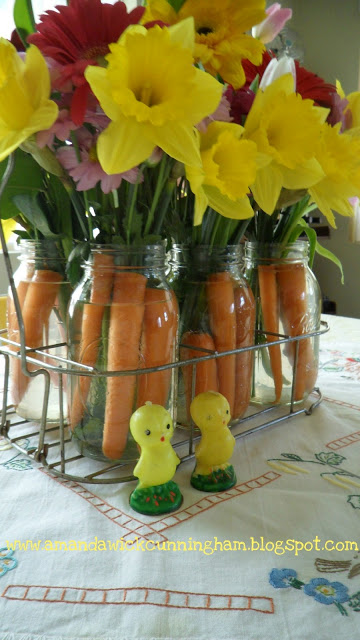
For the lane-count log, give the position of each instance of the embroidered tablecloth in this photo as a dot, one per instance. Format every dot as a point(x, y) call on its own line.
point(274, 557)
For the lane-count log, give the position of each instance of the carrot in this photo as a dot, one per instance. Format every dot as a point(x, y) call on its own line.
point(39, 301)
point(17, 377)
point(270, 312)
point(206, 371)
point(157, 345)
point(245, 326)
point(93, 313)
point(221, 305)
point(126, 318)
point(293, 300)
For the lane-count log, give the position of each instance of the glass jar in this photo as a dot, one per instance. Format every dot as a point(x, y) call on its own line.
point(288, 303)
point(217, 314)
point(123, 316)
point(43, 294)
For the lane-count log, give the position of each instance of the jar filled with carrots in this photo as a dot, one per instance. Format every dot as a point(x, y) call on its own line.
point(288, 308)
point(123, 323)
point(43, 293)
point(217, 315)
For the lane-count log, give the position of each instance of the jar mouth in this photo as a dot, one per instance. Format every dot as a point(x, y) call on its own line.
point(273, 251)
point(124, 256)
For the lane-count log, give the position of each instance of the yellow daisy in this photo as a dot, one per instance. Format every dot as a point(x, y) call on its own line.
point(221, 38)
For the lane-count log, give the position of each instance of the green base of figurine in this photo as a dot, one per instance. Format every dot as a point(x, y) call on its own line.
point(218, 480)
point(153, 501)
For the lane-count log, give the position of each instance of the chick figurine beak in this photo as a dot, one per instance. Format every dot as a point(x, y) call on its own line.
point(156, 493)
point(211, 413)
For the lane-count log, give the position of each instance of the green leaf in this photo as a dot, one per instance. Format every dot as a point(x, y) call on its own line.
point(24, 19)
point(326, 253)
point(26, 178)
point(312, 237)
point(176, 4)
point(255, 84)
point(29, 207)
point(329, 458)
point(291, 456)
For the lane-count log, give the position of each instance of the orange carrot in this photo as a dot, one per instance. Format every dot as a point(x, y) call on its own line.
point(245, 327)
point(157, 345)
point(270, 312)
point(39, 301)
point(126, 318)
point(293, 301)
point(206, 371)
point(93, 313)
point(221, 304)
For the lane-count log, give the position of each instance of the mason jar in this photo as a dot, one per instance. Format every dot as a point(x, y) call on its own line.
point(123, 317)
point(43, 292)
point(217, 315)
point(288, 306)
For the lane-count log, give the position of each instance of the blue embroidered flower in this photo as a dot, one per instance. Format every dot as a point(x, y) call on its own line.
point(326, 592)
point(281, 578)
point(7, 562)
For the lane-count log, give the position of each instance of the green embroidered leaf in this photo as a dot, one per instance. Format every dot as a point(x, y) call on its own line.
point(329, 458)
point(354, 501)
point(354, 601)
point(291, 456)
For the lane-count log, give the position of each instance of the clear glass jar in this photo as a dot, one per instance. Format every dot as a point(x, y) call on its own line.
point(123, 316)
point(43, 293)
point(288, 302)
point(217, 314)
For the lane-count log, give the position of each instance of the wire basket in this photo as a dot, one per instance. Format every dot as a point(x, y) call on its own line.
point(50, 445)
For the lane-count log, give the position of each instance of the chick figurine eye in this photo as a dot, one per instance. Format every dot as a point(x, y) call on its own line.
point(211, 413)
point(156, 492)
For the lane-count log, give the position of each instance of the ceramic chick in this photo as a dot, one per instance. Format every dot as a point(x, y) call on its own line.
point(211, 413)
point(152, 428)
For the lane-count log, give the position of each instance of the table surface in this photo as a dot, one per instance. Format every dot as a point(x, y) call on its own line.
point(270, 558)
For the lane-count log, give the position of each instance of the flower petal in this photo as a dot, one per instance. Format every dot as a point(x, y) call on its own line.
point(123, 145)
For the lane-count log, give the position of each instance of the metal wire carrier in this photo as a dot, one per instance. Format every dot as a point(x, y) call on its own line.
point(50, 444)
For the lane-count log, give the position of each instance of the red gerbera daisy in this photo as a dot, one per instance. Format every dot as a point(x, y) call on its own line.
point(308, 84)
point(79, 35)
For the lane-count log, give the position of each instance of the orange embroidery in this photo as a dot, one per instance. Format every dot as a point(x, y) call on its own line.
point(140, 596)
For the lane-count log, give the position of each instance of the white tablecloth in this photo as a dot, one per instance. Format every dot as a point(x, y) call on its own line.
point(276, 560)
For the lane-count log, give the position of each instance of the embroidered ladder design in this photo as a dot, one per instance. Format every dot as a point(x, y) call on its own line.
point(133, 527)
point(140, 596)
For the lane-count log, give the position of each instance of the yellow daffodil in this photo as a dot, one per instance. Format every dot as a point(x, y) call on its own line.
point(287, 131)
point(154, 96)
point(221, 38)
point(229, 167)
point(25, 107)
point(339, 157)
point(351, 111)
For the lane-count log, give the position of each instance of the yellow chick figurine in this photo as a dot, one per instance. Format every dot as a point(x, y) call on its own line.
point(211, 413)
point(152, 428)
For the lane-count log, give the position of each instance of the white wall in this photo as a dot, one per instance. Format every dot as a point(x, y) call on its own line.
point(330, 32)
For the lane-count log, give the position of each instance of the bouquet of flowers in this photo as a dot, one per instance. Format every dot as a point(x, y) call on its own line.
point(167, 122)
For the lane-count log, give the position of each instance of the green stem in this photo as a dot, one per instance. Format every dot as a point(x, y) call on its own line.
point(164, 171)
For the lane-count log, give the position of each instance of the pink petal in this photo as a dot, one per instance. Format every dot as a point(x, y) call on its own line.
point(267, 30)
